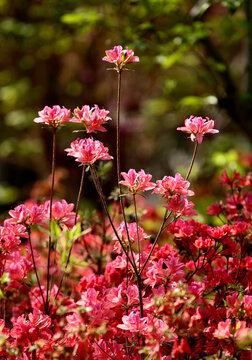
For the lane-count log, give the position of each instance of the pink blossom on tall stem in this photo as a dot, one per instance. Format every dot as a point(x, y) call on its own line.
point(120, 57)
point(137, 181)
point(198, 127)
point(170, 186)
point(87, 151)
point(54, 116)
point(92, 119)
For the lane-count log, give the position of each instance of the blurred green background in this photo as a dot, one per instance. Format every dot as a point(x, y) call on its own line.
point(195, 58)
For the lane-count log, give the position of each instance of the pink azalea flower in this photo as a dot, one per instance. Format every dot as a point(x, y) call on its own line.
point(224, 330)
point(133, 323)
point(54, 116)
point(137, 181)
point(92, 119)
point(61, 212)
point(198, 127)
point(247, 303)
point(170, 186)
point(120, 57)
point(8, 239)
point(23, 215)
point(87, 151)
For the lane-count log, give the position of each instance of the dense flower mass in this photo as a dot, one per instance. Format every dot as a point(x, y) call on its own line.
point(54, 116)
point(92, 119)
point(198, 127)
point(87, 151)
point(129, 283)
point(120, 57)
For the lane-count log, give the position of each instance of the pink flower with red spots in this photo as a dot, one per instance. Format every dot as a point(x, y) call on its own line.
point(54, 116)
point(137, 181)
point(120, 57)
point(87, 151)
point(198, 127)
point(170, 186)
point(92, 119)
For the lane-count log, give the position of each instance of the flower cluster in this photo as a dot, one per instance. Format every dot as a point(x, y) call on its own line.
point(120, 57)
point(198, 127)
point(54, 116)
point(92, 119)
point(87, 151)
point(127, 295)
point(137, 181)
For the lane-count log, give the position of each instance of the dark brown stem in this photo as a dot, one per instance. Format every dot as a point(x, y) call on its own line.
point(127, 233)
point(75, 221)
point(138, 240)
point(192, 161)
point(34, 354)
point(100, 193)
point(119, 78)
point(118, 160)
point(140, 293)
point(166, 217)
point(79, 194)
point(111, 357)
point(35, 268)
point(50, 220)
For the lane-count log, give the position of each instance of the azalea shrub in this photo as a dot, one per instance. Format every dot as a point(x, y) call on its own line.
point(107, 286)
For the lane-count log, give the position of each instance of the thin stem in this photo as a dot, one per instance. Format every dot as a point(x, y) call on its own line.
point(192, 161)
point(119, 77)
point(34, 354)
point(35, 268)
point(100, 193)
point(75, 221)
point(127, 233)
point(166, 217)
point(111, 357)
point(50, 219)
point(138, 240)
point(139, 286)
point(118, 159)
point(79, 194)
point(126, 300)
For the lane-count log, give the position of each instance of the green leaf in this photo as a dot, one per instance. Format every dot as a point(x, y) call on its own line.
point(5, 279)
point(55, 230)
